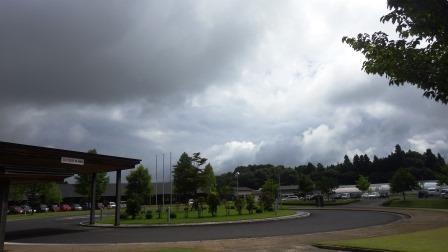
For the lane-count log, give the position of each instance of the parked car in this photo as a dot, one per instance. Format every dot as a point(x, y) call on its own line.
point(27, 209)
point(433, 192)
point(345, 196)
point(100, 205)
point(15, 210)
point(76, 207)
point(290, 197)
point(111, 204)
point(123, 204)
point(190, 202)
point(66, 207)
point(55, 208)
point(371, 195)
point(444, 193)
point(43, 208)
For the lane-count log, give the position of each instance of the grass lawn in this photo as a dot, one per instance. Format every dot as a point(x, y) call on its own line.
point(17, 217)
point(193, 217)
point(429, 241)
point(418, 203)
point(313, 203)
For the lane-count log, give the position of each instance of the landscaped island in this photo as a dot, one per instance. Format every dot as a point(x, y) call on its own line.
point(151, 216)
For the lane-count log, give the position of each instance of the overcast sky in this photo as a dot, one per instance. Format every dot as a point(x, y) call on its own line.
point(243, 82)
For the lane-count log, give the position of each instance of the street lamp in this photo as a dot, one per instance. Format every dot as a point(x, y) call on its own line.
point(236, 175)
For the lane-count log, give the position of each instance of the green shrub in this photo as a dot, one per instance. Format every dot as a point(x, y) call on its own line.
point(258, 210)
point(148, 215)
point(133, 207)
point(124, 216)
point(173, 215)
point(239, 204)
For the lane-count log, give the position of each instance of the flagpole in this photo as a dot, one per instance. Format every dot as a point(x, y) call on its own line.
point(163, 182)
point(155, 185)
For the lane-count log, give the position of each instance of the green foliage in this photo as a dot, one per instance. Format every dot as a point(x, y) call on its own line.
point(403, 181)
point(250, 201)
point(424, 166)
point(420, 56)
point(133, 207)
point(306, 185)
point(327, 182)
point(362, 183)
point(186, 178)
point(268, 193)
point(239, 204)
point(227, 206)
point(50, 193)
point(213, 203)
point(199, 205)
point(83, 182)
point(208, 179)
point(443, 176)
point(148, 215)
point(138, 190)
point(17, 192)
point(139, 184)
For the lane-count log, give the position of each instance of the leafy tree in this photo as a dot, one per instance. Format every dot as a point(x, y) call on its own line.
point(208, 179)
point(139, 184)
point(250, 201)
point(419, 56)
point(133, 207)
point(306, 185)
point(50, 193)
point(239, 204)
point(17, 192)
point(268, 193)
point(443, 176)
point(186, 177)
point(213, 203)
point(362, 183)
point(403, 181)
point(83, 182)
point(138, 190)
point(327, 183)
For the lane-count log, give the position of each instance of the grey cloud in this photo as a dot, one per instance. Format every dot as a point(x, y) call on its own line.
point(112, 51)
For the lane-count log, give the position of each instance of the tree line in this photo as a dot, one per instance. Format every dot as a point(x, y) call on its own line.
point(422, 166)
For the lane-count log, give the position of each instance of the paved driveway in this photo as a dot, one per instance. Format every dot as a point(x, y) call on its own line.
point(67, 230)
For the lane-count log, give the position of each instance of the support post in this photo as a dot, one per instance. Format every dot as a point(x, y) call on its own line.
point(117, 198)
point(4, 191)
point(92, 199)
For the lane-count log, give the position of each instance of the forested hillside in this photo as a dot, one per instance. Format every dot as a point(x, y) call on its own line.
point(424, 166)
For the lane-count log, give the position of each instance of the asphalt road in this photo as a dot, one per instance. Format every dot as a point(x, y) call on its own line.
point(67, 230)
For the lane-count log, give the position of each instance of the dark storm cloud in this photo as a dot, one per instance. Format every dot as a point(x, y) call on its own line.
point(110, 51)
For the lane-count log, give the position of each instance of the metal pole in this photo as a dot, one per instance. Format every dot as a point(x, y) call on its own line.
point(171, 189)
point(163, 182)
point(118, 198)
point(4, 191)
point(155, 184)
point(92, 199)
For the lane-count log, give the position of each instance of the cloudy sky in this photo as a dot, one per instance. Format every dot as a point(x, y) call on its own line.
point(242, 82)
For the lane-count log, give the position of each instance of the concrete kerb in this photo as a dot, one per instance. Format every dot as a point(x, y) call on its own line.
point(299, 214)
point(379, 210)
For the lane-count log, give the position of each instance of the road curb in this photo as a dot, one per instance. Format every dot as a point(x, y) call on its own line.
point(300, 214)
point(348, 248)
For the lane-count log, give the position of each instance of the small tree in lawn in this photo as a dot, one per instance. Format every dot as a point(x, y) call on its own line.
point(138, 190)
point(403, 181)
point(268, 192)
point(362, 183)
point(213, 203)
point(226, 206)
point(250, 202)
point(239, 204)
